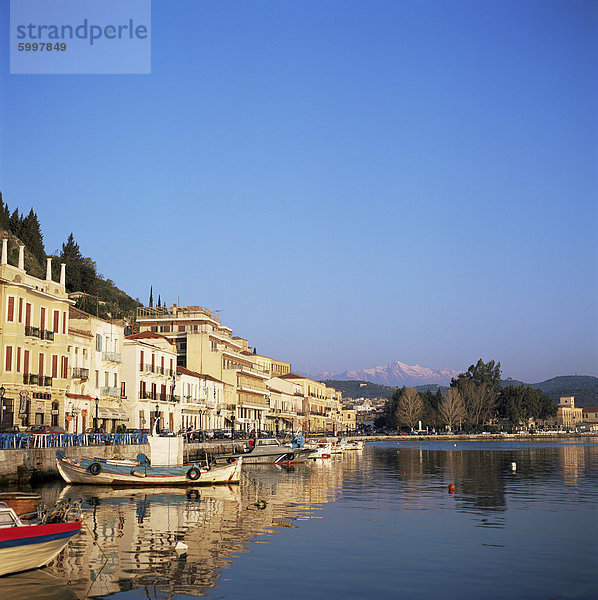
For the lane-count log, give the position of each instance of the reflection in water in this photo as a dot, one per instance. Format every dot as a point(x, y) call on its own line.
point(377, 495)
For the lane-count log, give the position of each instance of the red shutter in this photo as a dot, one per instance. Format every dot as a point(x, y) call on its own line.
point(65, 370)
point(56, 320)
point(141, 361)
point(54, 365)
point(19, 359)
point(11, 309)
point(28, 315)
point(42, 319)
point(40, 365)
point(8, 358)
point(64, 323)
point(20, 310)
point(26, 362)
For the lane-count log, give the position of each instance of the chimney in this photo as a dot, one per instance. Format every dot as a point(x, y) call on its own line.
point(4, 251)
point(22, 257)
point(62, 274)
point(48, 269)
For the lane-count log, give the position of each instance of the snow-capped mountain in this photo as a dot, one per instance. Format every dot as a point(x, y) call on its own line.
point(396, 374)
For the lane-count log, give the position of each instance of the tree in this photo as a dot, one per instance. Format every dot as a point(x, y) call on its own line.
point(410, 407)
point(520, 404)
point(452, 408)
point(81, 272)
point(480, 373)
point(479, 401)
point(151, 298)
point(4, 215)
point(31, 235)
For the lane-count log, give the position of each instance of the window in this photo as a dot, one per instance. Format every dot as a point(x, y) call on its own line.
point(54, 365)
point(8, 362)
point(11, 309)
point(64, 367)
point(56, 321)
point(18, 359)
point(40, 366)
point(106, 376)
point(115, 380)
point(97, 379)
point(98, 342)
point(64, 323)
point(20, 310)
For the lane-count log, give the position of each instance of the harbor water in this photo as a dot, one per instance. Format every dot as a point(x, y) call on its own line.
point(382, 522)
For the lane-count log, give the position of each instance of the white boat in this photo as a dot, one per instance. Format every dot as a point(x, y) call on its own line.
point(320, 449)
point(98, 471)
point(32, 543)
point(165, 466)
point(346, 444)
point(269, 450)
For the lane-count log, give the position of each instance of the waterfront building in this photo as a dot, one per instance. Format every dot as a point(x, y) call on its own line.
point(33, 343)
point(590, 414)
point(349, 420)
point(321, 410)
point(286, 405)
point(568, 414)
point(149, 377)
point(207, 347)
point(201, 399)
point(94, 397)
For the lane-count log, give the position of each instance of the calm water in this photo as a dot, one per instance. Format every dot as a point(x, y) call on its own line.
point(377, 523)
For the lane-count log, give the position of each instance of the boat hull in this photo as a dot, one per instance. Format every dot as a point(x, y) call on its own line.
point(133, 474)
point(34, 546)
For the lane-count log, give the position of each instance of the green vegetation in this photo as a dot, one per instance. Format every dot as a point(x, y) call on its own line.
point(99, 296)
point(474, 399)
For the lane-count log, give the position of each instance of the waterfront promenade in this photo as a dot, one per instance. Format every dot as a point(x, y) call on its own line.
point(37, 461)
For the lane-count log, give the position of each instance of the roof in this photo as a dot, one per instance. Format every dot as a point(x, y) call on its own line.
point(590, 409)
point(185, 371)
point(148, 335)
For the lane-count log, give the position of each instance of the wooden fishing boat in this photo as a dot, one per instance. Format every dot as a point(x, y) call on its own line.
point(101, 471)
point(30, 543)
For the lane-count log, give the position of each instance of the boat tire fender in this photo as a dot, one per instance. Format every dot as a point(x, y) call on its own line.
point(95, 468)
point(193, 474)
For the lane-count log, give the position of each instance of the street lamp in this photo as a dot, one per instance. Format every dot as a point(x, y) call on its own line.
point(157, 415)
point(2, 392)
point(96, 419)
point(232, 427)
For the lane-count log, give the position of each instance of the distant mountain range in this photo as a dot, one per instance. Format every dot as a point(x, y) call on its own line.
point(584, 388)
point(396, 374)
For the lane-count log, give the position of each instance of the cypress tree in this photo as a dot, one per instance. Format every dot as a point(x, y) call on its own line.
point(151, 298)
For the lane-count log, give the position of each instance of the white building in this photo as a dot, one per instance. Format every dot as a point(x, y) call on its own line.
point(201, 400)
point(95, 359)
point(149, 363)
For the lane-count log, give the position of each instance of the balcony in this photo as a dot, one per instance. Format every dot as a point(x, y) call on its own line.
point(79, 373)
point(112, 356)
point(114, 392)
point(47, 335)
point(47, 381)
point(32, 331)
point(145, 395)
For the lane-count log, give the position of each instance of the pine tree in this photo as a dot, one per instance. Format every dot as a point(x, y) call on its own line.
point(31, 236)
point(4, 215)
point(15, 223)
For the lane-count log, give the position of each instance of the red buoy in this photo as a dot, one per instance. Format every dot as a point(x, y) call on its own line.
point(451, 488)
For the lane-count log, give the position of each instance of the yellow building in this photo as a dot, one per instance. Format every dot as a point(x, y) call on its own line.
point(568, 414)
point(321, 405)
point(349, 417)
point(207, 347)
point(33, 340)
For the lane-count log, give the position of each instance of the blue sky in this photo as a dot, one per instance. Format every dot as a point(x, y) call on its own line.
point(350, 182)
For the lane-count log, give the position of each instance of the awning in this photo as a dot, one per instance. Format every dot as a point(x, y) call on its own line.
point(103, 413)
point(120, 415)
point(78, 396)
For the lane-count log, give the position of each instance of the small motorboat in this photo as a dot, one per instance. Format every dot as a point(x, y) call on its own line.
point(31, 541)
point(320, 449)
point(346, 444)
point(270, 450)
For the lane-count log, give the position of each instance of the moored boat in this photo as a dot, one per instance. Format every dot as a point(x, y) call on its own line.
point(270, 450)
point(99, 471)
point(31, 541)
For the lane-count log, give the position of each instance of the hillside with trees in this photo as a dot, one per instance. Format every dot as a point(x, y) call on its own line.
point(98, 296)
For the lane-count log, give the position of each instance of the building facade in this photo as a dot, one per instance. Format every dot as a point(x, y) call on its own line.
point(33, 344)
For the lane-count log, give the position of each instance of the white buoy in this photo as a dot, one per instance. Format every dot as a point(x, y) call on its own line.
point(181, 547)
point(455, 445)
point(514, 466)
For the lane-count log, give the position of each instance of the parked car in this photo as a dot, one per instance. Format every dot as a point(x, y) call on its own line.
point(44, 429)
point(147, 431)
point(10, 429)
point(221, 434)
point(167, 433)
